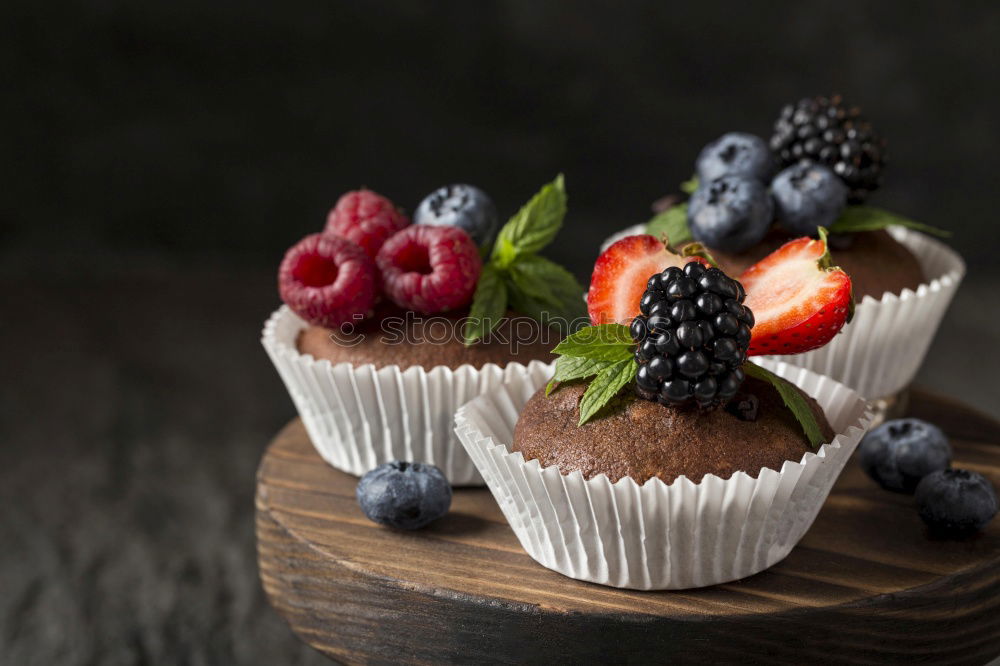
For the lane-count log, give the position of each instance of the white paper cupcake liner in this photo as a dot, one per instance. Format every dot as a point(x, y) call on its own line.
point(657, 536)
point(879, 353)
point(359, 417)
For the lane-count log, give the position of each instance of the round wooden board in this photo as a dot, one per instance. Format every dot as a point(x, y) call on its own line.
point(866, 584)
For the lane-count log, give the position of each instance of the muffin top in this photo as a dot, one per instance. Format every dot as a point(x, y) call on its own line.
point(407, 341)
point(642, 439)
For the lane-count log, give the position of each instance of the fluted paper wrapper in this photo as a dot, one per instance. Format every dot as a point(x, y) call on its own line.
point(657, 536)
point(359, 417)
point(879, 353)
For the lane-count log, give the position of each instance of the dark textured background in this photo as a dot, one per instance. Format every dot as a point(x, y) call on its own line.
point(158, 158)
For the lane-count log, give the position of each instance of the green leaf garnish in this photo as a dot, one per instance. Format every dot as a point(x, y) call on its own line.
point(542, 289)
point(794, 400)
point(606, 351)
point(606, 386)
point(690, 185)
point(606, 342)
point(869, 218)
point(489, 305)
point(673, 224)
point(569, 368)
point(534, 226)
point(516, 276)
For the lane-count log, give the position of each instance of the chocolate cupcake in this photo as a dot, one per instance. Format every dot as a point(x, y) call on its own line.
point(388, 327)
point(820, 169)
point(658, 456)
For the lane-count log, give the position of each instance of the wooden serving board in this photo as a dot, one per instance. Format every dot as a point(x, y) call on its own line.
point(866, 584)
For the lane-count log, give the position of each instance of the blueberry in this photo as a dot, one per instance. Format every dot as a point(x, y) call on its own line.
point(735, 154)
point(807, 196)
point(463, 206)
point(407, 495)
point(899, 453)
point(731, 214)
point(956, 502)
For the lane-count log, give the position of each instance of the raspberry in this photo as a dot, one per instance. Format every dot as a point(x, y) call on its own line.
point(366, 218)
point(430, 269)
point(327, 280)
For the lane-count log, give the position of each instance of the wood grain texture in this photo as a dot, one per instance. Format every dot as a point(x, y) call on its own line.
point(866, 584)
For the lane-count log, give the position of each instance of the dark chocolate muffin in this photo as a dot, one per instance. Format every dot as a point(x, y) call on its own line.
point(429, 341)
point(642, 439)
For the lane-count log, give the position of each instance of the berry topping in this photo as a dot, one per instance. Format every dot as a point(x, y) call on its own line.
point(366, 218)
point(806, 196)
point(732, 213)
point(462, 206)
point(899, 453)
point(692, 337)
point(799, 300)
point(826, 131)
point(404, 495)
point(735, 154)
point(328, 281)
point(430, 269)
point(620, 276)
point(956, 502)
point(744, 406)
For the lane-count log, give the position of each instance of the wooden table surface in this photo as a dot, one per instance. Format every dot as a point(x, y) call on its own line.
point(866, 583)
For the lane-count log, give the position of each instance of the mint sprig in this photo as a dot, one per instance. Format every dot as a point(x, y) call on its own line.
point(869, 218)
point(794, 400)
point(516, 276)
point(605, 352)
point(673, 224)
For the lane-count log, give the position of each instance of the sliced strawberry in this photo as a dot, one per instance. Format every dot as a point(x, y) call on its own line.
point(798, 300)
point(620, 276)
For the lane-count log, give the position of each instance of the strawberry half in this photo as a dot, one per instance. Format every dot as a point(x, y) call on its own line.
point(620, 277)
point(798, 299)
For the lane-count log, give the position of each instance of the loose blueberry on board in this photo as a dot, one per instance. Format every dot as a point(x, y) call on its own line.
point(405, 495)
point(956, 502)
point(806, 196)
point(692, 337)
point(899, 453)
point(464, 206)
point(735, 154)
point(731, 213)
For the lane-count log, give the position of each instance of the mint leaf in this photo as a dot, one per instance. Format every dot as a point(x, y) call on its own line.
point(534, 226)
point(869, 218)
point(673, 224)
point(569, 368)
point(793, 400)
point(532, 276)
point(690, 185)
point(541, 288)
point(607, 342)
point(606, 386)
point(489, 305)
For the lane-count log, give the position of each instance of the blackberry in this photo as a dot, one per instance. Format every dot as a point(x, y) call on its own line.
point(692, 334)
point(825, 130)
